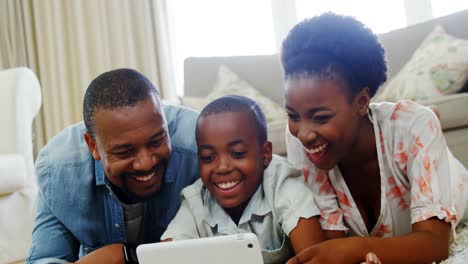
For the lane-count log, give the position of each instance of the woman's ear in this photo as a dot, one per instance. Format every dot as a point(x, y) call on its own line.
point(361, 101)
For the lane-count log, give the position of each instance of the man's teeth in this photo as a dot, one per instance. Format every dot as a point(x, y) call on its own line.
point(227, 185)
point(315, 150)
point(145, 178)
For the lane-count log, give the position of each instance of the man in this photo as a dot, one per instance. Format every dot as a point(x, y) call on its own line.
point(113, 182)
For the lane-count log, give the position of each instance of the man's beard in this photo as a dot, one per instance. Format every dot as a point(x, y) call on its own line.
point(125, 195)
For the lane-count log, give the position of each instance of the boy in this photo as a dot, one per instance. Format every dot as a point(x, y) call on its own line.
point(243, 187)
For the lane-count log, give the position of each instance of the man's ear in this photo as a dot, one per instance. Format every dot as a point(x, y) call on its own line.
point(267, 153)
point(91, 145)
point(362, 100)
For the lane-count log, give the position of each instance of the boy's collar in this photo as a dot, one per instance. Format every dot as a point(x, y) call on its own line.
point(215, 215)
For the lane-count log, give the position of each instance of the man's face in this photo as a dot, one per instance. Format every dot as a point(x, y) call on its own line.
point(134, 147)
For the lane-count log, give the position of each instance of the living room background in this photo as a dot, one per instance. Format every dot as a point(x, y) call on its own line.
point(206, 28)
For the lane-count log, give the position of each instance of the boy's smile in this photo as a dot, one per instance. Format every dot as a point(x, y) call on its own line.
point(231, 158)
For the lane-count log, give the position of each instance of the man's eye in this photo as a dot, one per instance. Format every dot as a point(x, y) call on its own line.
point(238, 154)
point(156, 143)
point(124, 154)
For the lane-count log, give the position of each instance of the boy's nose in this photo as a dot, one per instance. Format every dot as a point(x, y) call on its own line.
point(223, 166)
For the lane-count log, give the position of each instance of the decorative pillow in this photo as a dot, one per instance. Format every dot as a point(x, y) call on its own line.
point(439, 66)
point(229, 83)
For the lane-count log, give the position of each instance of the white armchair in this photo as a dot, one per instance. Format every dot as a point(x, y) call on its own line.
point(20, 101)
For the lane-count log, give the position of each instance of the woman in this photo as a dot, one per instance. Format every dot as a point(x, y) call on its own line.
point(381, 172)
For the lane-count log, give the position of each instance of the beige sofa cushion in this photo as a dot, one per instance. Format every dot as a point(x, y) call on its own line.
point(453, 110)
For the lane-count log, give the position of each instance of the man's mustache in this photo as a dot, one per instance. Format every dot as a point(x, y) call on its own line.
point(143, 173)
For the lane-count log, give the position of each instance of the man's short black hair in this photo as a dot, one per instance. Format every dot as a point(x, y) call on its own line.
point(115, 89)
point(329, 45)
point(237, 103)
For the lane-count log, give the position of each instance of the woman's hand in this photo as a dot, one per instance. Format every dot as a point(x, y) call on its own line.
point(336, 251)
point(371, 258)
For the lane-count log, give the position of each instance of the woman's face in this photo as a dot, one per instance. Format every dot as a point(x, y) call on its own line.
point(323, 117)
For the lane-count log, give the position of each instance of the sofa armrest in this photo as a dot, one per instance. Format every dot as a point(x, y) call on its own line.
point(12, 173)
point(453, 110)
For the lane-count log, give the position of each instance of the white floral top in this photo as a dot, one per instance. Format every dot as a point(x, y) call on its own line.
point(420, 178)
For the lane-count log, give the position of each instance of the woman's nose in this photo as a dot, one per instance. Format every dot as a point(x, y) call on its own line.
point(306, 135)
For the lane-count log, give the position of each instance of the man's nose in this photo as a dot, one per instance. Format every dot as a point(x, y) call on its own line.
point(144, 160)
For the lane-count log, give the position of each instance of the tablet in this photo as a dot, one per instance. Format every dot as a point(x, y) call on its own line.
point(230, 249)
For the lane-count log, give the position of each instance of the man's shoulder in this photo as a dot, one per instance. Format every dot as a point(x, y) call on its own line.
point(181, 122)
point(68, 146)
point(65, 160)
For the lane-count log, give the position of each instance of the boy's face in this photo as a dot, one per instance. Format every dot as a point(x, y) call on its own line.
point(231, 158)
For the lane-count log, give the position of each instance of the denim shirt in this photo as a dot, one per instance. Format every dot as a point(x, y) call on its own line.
point(77, 212)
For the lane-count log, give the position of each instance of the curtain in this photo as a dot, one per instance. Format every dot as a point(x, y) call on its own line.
point(68, 43)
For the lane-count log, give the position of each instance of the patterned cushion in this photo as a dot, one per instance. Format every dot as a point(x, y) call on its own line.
point(229, 83)
point(438, 67)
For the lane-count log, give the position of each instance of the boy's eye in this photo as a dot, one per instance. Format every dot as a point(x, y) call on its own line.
point(238, 154)
point(206, 158)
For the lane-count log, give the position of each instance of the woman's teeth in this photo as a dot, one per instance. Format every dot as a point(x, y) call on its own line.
point(145, 178)
point(227, 185)
point(315, 150)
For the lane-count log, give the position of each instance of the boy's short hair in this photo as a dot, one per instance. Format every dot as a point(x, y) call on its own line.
point(237, 103)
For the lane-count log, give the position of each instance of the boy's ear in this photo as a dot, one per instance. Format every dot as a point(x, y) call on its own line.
point(91, 145)
point(267, 153)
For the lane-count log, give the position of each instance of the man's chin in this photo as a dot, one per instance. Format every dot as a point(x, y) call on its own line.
point(148, 193)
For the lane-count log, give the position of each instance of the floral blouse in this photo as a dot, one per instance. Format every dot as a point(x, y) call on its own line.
point(420, 178)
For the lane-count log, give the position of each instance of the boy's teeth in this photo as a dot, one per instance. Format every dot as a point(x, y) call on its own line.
point(315, 150)
point(145, 178)
point(227, 185)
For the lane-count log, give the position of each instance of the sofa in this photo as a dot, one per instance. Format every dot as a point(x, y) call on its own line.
point(264, 73)
point(19, 104)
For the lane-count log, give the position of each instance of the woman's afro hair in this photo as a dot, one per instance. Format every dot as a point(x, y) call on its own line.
point(334, 44)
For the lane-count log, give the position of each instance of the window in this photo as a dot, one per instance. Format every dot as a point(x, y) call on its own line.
point(446, 7)
point(380, 16)
point(220, 28)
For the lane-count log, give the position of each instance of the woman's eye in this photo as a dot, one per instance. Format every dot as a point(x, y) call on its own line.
point(238, 154)
point(293, 117)
point(321, 118)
